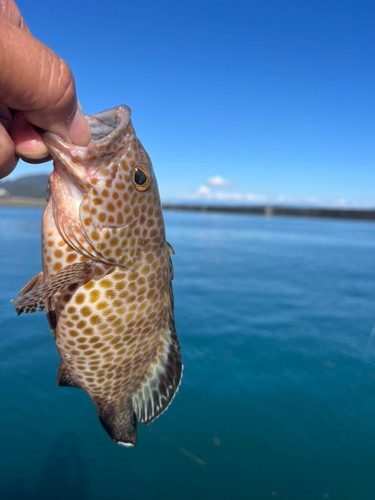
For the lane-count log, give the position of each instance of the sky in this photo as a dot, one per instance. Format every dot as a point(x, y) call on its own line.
point(265, 102)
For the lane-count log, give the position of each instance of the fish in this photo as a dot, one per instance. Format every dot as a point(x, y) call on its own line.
point(106, 279)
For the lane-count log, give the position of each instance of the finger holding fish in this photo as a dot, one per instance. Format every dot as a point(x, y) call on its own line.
point(37, 88)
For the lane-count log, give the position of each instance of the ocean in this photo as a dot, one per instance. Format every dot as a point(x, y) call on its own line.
point(274, 316)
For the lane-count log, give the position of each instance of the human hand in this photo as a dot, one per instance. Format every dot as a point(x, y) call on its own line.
point(36, 88)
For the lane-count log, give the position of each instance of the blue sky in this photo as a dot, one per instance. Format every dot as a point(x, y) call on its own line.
point(241, 102)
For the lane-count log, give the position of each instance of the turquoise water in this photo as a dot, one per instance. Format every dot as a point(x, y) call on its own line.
point(274, 317)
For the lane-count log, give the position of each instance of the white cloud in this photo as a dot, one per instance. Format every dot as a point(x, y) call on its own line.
point(218, 181)
point(202, 191)
point(256, 197)
point(297, 200)
point(211, 192)
point(342, 202)
point(205, 193)
point(284, 199)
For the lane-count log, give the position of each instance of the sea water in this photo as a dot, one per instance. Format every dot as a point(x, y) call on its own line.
point(274, 317)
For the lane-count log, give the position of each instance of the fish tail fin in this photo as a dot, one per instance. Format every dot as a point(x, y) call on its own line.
point(119, 422)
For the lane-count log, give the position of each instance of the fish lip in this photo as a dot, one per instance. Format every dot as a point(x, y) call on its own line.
point(106, 121)
point(55, 144)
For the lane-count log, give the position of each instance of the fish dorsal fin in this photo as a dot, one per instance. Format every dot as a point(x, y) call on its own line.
point(31, 295)
point(160, 384)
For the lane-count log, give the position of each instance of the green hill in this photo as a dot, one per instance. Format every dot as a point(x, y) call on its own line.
point(32, 186)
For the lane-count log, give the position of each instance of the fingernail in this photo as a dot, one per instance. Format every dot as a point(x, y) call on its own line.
point(35, 161)
point(78, 130)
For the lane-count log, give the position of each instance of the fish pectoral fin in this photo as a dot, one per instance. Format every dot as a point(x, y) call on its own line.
point(37, 305)
point(119, 421)
point(30, 285)
point(64, 379)
point(161, 382)
point(37, 290)
point(31, 308)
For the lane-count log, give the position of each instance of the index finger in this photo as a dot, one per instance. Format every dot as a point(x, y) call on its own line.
point(37, 82)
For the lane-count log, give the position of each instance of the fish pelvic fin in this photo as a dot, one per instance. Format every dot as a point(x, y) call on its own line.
point(36, 290)
point(51, 317)
point(119, 421)
point(64, 379)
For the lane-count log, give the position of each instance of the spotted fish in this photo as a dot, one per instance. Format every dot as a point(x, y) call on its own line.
point(106, 284)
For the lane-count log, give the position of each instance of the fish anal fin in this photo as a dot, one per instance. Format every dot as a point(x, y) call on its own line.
point(37, 290)
point(160, 384)
point(64, 379)
point(119, 421)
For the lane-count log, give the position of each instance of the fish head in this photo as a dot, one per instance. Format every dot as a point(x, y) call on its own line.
point(105, 196)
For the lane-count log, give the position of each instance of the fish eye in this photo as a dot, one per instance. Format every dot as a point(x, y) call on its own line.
point(141, 178)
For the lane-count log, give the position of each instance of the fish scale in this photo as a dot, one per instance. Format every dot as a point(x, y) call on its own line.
point(107, 274)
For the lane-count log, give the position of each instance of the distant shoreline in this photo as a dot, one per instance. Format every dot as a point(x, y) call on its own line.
point(20, 201)
point(269, 211)
point(335, 213)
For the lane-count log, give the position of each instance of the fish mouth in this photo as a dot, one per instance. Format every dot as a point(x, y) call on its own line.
point(82, 162)
point(105, 123)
